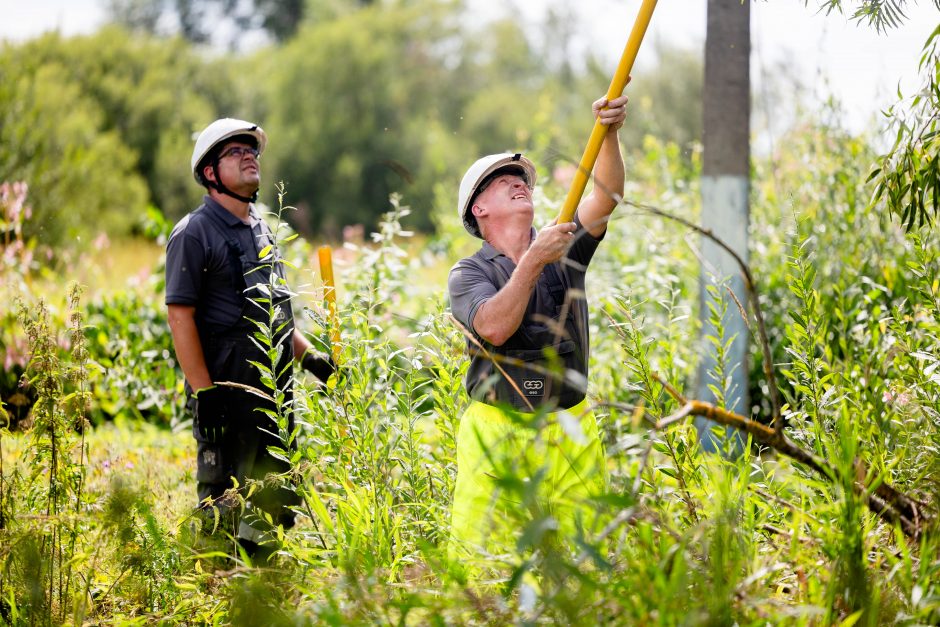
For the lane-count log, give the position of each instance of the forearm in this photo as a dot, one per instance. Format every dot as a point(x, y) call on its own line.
point(609, 170)
point(500, 316)
point(300, 345)
point(609, 174)
point(188, 346)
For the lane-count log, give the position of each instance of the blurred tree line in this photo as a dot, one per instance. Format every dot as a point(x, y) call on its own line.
point(360, 99)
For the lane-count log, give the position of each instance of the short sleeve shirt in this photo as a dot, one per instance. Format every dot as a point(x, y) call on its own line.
point(476, 279)
point(199, 266)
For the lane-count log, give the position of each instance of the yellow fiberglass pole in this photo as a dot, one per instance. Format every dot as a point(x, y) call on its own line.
point(325, 253)
point(615, 90)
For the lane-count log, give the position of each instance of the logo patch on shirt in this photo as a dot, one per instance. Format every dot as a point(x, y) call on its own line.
point(533, 387)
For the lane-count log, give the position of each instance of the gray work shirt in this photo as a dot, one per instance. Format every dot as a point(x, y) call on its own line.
point(199, 267)
point(558, 292)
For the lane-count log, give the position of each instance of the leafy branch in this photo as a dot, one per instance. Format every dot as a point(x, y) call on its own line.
point(907, 177)
point(883, 499)
point(750, 288)
point(882, 14)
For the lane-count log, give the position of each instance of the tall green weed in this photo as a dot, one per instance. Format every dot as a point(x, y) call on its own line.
point(851, 305)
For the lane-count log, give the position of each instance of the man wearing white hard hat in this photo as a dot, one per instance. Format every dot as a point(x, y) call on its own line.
point(214, 275)
point(521, 300)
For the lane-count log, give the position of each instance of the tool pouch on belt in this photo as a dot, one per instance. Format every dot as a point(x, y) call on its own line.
point(544, 367)
point(538, 377)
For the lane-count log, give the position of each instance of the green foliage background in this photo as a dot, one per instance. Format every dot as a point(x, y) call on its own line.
point(96, 524)
point(361, 102)
point(851, 304)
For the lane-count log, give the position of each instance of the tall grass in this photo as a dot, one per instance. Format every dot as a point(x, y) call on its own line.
point(853, 310)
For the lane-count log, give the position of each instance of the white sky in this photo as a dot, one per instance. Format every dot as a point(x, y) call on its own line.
point(833, 55)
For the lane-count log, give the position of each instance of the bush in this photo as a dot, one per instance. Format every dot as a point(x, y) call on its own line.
point(852, 307)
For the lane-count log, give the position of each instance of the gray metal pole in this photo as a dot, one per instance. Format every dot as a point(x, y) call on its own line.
point(725, 207)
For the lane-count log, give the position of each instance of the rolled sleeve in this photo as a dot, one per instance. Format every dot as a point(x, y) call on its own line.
point(469, 287)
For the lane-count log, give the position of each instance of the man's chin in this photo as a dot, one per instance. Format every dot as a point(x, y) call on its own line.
point(247, 190)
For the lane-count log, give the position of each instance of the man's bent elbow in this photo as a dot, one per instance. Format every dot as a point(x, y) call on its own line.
point(492, 334)
point(610, 193)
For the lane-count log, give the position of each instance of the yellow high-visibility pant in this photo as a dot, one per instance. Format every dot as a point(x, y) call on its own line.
point(510, 474)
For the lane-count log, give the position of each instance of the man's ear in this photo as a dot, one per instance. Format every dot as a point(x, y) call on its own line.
point(477, 210)
point(208, 173)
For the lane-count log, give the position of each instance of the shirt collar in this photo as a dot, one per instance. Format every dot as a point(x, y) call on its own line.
point(227, 216)
point(489, 251)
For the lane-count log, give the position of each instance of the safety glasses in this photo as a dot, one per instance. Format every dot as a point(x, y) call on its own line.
point(239, 151)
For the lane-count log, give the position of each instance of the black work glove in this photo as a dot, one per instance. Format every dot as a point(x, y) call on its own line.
point(318, 366)
point(211, 413)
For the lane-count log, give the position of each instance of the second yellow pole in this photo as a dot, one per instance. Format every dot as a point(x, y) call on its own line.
point(325, 254)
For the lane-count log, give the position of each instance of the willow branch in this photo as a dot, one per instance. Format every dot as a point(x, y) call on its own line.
point(751, 289)
point(886, 501)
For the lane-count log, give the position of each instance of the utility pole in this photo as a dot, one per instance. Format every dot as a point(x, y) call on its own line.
point(725, 207)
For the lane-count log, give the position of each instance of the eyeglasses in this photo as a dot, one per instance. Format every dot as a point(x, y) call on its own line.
point(239, 151)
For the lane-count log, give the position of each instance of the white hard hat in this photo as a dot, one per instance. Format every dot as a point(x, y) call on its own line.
point(479, 172)
point(218, 132)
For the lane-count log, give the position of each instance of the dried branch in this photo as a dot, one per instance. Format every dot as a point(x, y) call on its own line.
point(786, 534)
point(748, 284)
point(751, 288)
point(886, 501)
point(684, 412)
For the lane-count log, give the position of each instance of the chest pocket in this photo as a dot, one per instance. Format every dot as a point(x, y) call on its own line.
point(543, 327)
point(259, 283)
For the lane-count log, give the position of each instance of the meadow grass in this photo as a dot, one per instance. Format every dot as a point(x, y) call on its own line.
point(686, 538)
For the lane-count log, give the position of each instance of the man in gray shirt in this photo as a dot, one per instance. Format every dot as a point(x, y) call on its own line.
point(521, 299)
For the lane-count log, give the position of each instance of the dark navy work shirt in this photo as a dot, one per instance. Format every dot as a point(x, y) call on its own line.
point(199, 269)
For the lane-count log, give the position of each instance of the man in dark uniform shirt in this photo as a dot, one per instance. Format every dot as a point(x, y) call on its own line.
point(521, 296)
point(215, 274)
